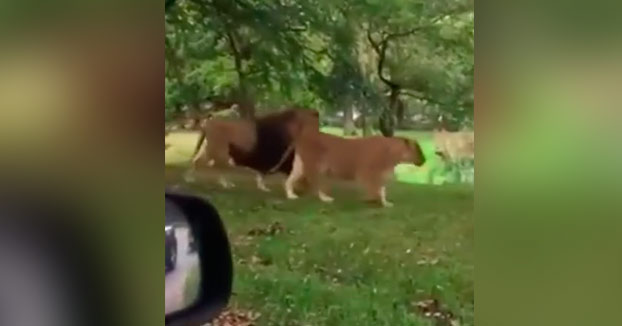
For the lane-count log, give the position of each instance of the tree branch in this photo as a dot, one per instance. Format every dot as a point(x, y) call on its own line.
point(414, 30)
point(295, 29)
point(418, 95)
point(380, 47)
point(389, 37)
point(372, 42)
point(320, 52)
point(381, 51)
point(413, 93)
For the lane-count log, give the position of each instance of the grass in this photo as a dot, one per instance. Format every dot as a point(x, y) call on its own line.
point(192, 286)
point(347, 263)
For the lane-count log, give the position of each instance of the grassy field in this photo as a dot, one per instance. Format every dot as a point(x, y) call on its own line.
point(347, 263)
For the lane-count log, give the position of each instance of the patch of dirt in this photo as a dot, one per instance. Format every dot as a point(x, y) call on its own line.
point(255, 260)
point(432, 309)
point(235, 317)
point(270, 230)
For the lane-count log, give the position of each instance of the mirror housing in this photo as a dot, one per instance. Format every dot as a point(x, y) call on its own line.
point(216, 265)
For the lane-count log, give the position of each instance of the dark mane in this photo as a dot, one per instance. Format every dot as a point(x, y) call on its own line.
point(272, 142)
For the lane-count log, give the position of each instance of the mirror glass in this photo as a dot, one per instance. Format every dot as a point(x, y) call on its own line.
point(182, 268)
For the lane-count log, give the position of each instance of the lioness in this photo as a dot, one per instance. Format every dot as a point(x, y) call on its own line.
point(369, 161)
point(457, 150)
point(220, 135)
point(256, 144)
point(454, 146)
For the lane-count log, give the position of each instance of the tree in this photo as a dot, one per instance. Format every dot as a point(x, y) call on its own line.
point(375, 57)
point(394, 29)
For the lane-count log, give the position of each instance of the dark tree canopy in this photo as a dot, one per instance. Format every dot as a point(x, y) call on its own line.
point(388, 62)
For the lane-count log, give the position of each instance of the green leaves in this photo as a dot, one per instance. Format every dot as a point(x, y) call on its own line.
point(316, 53)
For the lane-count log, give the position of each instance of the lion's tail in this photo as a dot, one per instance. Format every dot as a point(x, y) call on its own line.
point(287, 152)
point(204, 125)
point(202, 136)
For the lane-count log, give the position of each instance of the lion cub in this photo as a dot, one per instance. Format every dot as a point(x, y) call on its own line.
point(369, 161)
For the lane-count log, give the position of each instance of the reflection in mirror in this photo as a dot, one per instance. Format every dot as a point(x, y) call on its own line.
point(182, 269)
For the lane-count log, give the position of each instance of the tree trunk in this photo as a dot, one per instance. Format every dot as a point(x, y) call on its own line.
point(387, 118)
point(400, 113)
point(385, 124)
point(349, 129)
point(247, 110)
point(246, 105)
point(365, 126)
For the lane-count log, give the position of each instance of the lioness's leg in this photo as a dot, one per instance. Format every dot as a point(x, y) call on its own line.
point(374, 193)
point(218, 158)
point(315, 173)
point(195, 160)
point(189, 174)
point(385, 177)
point(201, 152)
point(324, 197)
point(371, 183)
point(383, 197)
point(223, 181)
point(295, 175)
point(260, 184)
point(375, 186)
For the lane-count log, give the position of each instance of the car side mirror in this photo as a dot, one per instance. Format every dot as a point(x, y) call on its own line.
point(198, 262)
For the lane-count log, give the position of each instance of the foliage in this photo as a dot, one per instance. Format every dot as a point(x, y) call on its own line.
point(331, 55)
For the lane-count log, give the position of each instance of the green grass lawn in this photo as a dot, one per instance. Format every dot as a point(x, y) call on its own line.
point(304, 262)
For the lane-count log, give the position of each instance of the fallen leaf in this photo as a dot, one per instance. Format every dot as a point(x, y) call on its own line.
point(431, 308)
point(235, 317)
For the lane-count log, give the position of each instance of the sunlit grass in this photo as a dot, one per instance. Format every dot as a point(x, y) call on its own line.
point(182, 146)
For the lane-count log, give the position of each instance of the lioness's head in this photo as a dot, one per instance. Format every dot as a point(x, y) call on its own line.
point(300, 120)
point(411, 152)
point(440, 138)
point(193, 121)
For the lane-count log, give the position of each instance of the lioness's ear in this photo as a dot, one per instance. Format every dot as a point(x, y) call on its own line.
point(202, 123)
point(408, 142)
